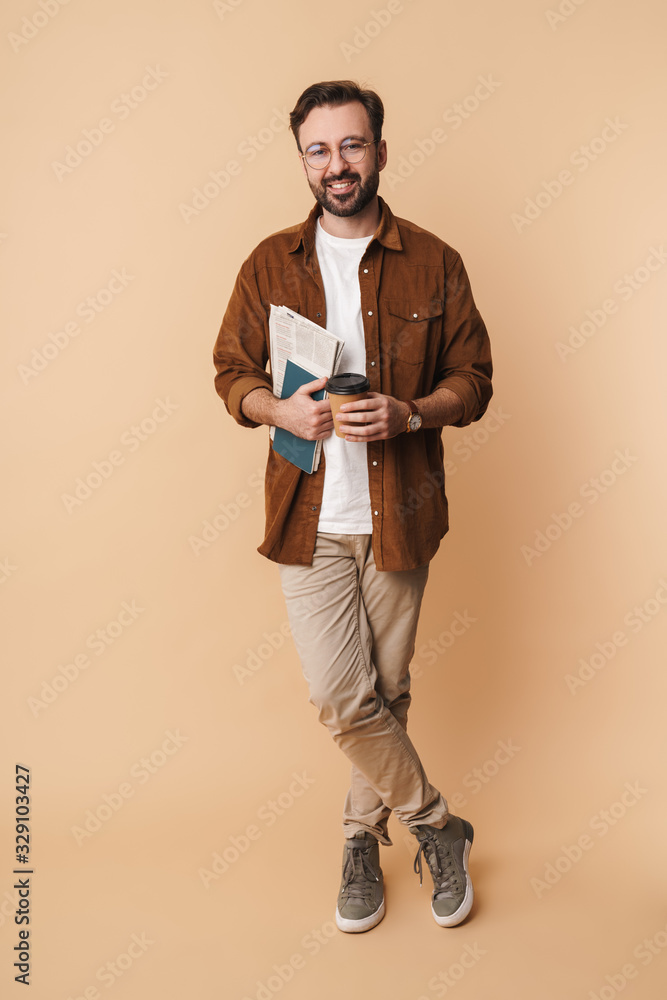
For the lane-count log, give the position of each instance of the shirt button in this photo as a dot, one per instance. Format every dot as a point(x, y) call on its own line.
point(318, 315)
point(375, 512)
point(313, 508)
point(365, 270)
point(414, 315)
point(370, 312)
point(374, 463)
point(372, 364)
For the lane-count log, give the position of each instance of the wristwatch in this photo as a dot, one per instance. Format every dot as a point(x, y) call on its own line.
point(415, 418)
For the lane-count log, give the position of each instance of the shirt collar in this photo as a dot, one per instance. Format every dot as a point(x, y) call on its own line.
point(387, 233)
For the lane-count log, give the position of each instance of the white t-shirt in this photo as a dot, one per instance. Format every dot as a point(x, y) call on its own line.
point(346, 505)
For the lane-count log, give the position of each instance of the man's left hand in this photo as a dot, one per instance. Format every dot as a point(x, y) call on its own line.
point(373, 419)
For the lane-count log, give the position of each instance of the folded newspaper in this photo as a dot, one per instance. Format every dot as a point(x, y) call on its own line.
point(297, 339)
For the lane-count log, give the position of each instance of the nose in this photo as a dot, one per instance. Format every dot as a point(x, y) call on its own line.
point(336, 164)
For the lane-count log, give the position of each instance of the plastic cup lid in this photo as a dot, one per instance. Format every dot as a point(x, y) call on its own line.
point(347, 384)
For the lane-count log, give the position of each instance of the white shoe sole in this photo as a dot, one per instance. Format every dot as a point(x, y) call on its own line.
point(464, 909)
point(356, 926)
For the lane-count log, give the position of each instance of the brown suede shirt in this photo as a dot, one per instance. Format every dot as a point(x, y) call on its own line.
point(422, 331)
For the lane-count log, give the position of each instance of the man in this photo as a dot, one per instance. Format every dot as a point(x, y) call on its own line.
point(354, 540)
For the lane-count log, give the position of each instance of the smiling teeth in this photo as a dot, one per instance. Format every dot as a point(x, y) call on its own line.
point(343, 185)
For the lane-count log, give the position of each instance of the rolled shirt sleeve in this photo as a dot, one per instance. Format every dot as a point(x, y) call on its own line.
point(241, 350)
point(464, 362)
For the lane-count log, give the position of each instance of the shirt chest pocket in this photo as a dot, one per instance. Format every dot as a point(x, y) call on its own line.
point(293, 308)
point(413, 330)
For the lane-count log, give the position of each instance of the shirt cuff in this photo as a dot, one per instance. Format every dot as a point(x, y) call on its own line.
point(462, 388)
point(237, 393)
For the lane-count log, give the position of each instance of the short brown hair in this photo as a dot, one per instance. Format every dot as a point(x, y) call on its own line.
point(332, 93)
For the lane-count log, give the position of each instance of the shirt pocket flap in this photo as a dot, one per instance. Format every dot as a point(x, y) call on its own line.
point(415, 312)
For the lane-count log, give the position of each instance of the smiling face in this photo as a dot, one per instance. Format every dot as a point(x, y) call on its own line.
point(343, 189)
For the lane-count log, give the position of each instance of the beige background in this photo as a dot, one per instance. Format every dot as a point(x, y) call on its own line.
point(183, 663)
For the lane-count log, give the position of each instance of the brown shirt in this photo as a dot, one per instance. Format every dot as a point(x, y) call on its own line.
point(422, 331)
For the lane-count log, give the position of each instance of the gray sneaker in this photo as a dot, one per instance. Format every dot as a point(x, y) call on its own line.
point(361, 897)
point(446, 852)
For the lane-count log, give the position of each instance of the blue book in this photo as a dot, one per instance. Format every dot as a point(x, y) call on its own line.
point(295, 449)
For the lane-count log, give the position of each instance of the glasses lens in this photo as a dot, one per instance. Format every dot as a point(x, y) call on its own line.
point(318, 157)
point(353, 151)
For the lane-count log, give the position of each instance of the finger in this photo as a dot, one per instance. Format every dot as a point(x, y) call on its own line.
point(361, 404)
point(309, 387)
point(363, 440)
point(358, 417)
point(354, 434)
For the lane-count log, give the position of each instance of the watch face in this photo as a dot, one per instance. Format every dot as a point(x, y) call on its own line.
point(415, 422)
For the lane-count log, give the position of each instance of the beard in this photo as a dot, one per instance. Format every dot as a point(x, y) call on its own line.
point(349, 204)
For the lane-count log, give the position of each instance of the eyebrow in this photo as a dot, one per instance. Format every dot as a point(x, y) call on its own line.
point(319, 142)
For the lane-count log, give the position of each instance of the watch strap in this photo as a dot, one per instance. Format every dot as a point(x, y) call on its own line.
point(413, 412)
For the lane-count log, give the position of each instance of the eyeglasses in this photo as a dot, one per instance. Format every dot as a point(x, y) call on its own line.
point(352, 151)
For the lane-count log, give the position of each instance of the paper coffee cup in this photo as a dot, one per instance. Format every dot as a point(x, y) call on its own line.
point(345, 388)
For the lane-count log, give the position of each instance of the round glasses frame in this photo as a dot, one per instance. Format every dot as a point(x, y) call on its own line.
point(355, 156)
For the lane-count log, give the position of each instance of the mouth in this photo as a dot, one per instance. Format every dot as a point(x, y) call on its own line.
point(341, 187)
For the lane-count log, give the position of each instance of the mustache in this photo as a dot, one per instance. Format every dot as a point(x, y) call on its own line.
point(342, 177)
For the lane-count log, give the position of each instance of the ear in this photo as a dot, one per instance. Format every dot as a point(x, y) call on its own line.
point(382, 154)
point(303, 164)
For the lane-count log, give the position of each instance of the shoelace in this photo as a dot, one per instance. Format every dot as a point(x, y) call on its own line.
point(443, 869)
point(358, 872)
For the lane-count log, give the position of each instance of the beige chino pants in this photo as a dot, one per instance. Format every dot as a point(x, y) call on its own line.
point(354, 629)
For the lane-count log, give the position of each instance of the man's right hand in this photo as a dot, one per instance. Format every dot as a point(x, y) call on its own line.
point(301, 414)
point(304, 416)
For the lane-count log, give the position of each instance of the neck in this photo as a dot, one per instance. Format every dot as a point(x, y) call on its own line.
point(353, 227)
